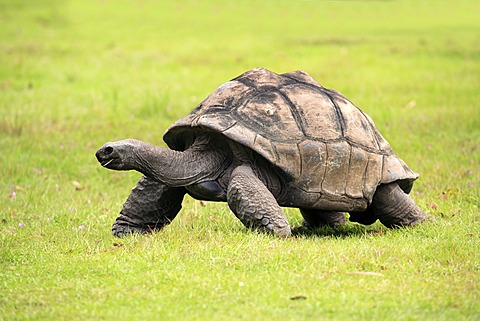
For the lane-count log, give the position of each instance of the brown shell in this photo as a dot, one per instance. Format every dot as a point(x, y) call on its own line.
point(328, 147)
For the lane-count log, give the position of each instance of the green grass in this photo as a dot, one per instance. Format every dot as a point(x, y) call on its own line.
point(75, 74)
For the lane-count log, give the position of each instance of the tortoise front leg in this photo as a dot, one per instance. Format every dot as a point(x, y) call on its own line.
point(254, 205)
point(150, 206)
point(317, 218)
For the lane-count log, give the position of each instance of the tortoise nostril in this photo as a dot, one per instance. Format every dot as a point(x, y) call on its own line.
point(108, 150)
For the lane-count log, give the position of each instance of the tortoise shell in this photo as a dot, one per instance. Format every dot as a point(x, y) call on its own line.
point(329, 150)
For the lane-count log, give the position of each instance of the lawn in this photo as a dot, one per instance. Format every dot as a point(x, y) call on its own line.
point(75, 74)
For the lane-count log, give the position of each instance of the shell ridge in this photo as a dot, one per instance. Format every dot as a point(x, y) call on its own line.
point(228, 127)
point(350, 142)
point(296, 115)
point(364, 179)
point(275, 153)
point(340, 118)
point(368, 149)
point(300, 171)
point(297, 81)
point(246, 81)
point(383, 167)
point(371, 128)
point(255, 92)
point(324, 169)
point(350, 154)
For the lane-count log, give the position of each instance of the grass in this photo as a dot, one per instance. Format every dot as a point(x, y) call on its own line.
point(75, 74)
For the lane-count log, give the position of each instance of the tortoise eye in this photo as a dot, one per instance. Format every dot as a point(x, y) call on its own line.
point(108, 150)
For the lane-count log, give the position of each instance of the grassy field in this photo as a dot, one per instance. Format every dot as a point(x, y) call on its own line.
point(75, 74)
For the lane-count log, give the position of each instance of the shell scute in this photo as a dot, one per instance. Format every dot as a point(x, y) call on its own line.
point(314, 165)
point(336, 174)
point(289, 159)
point(357, 168)
point(268, 113)
point(357, 128)
point(373, 174)
point(317, 115)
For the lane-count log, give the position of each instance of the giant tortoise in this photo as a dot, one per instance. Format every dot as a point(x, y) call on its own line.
point(263, 141)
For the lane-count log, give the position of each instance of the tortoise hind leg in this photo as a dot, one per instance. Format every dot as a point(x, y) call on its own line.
point(317, 218)
point(150, 206)
point(394, 208)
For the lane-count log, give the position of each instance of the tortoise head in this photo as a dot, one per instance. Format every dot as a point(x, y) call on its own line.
point(118, 155)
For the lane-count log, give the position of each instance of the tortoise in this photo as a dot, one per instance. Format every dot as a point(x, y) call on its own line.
point(263, 141)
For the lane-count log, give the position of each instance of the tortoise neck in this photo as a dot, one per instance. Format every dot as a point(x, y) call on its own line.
point(201, 161)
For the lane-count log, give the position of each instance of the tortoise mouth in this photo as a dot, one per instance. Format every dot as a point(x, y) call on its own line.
point(105, 162)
